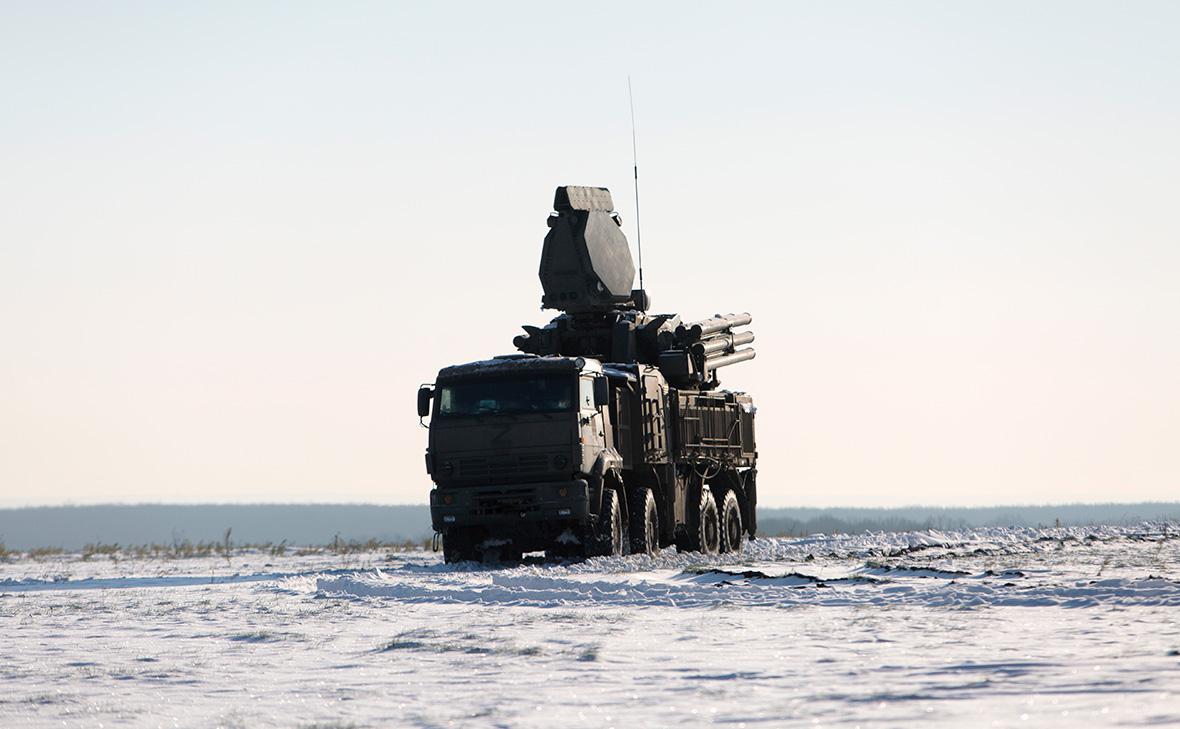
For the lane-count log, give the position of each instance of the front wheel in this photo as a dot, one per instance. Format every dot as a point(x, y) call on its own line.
point(607, 535)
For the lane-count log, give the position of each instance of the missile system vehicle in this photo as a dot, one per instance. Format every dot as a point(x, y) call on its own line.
point(607, 433)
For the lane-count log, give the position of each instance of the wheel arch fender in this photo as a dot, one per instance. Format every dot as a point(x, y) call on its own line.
point(748, 498)
point(606, 473)
point(614, 481)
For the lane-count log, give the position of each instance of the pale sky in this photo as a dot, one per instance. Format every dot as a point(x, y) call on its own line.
point(236, 237)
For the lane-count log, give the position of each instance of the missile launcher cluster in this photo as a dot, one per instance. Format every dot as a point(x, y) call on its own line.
point(587, 272)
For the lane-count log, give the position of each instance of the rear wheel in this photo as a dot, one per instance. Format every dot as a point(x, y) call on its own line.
point(730, 522)
point(645, 522)
point(607, 536)
point(704, 531)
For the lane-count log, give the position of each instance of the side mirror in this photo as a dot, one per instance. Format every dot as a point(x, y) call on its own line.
point(424, 396)
point(601, 391)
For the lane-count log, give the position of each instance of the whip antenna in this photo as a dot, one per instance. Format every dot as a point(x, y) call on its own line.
point(635, 168)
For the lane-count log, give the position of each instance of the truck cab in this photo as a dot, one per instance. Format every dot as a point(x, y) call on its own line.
point(518, 447)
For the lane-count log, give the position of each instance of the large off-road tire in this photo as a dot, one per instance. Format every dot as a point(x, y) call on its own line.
point(608, 535)
point(645, 522)
point(704, 532)
point(729, 515)
point(459, 547)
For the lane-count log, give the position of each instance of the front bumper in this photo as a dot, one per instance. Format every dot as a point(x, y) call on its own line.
point(508, 505)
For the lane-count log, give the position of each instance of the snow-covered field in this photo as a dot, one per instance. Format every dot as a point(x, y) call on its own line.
point(989, 627)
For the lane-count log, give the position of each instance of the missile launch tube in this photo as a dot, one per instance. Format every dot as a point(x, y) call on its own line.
point(712, 326)
point(723, 342)
point(728, 359)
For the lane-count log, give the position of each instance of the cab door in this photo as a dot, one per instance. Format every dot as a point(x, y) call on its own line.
point(591, 423)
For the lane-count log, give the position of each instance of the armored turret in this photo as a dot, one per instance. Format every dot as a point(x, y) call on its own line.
point(587, 273)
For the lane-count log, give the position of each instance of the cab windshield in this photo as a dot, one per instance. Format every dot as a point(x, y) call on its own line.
point(536, 394)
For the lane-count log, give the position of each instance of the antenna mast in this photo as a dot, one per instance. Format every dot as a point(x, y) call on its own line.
point(635, 167)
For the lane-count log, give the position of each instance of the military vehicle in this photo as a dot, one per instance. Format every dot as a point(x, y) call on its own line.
point(607, 433)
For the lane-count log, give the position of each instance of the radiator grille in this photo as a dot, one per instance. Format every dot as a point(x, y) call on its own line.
point(508, 501)
point(503, 467)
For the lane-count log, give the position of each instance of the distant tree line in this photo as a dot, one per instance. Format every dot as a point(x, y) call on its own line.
point(74, 527)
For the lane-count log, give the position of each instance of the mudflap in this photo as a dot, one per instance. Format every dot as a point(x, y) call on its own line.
point(751, 489)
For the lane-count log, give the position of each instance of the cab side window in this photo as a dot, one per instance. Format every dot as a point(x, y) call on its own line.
point(585, 393)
